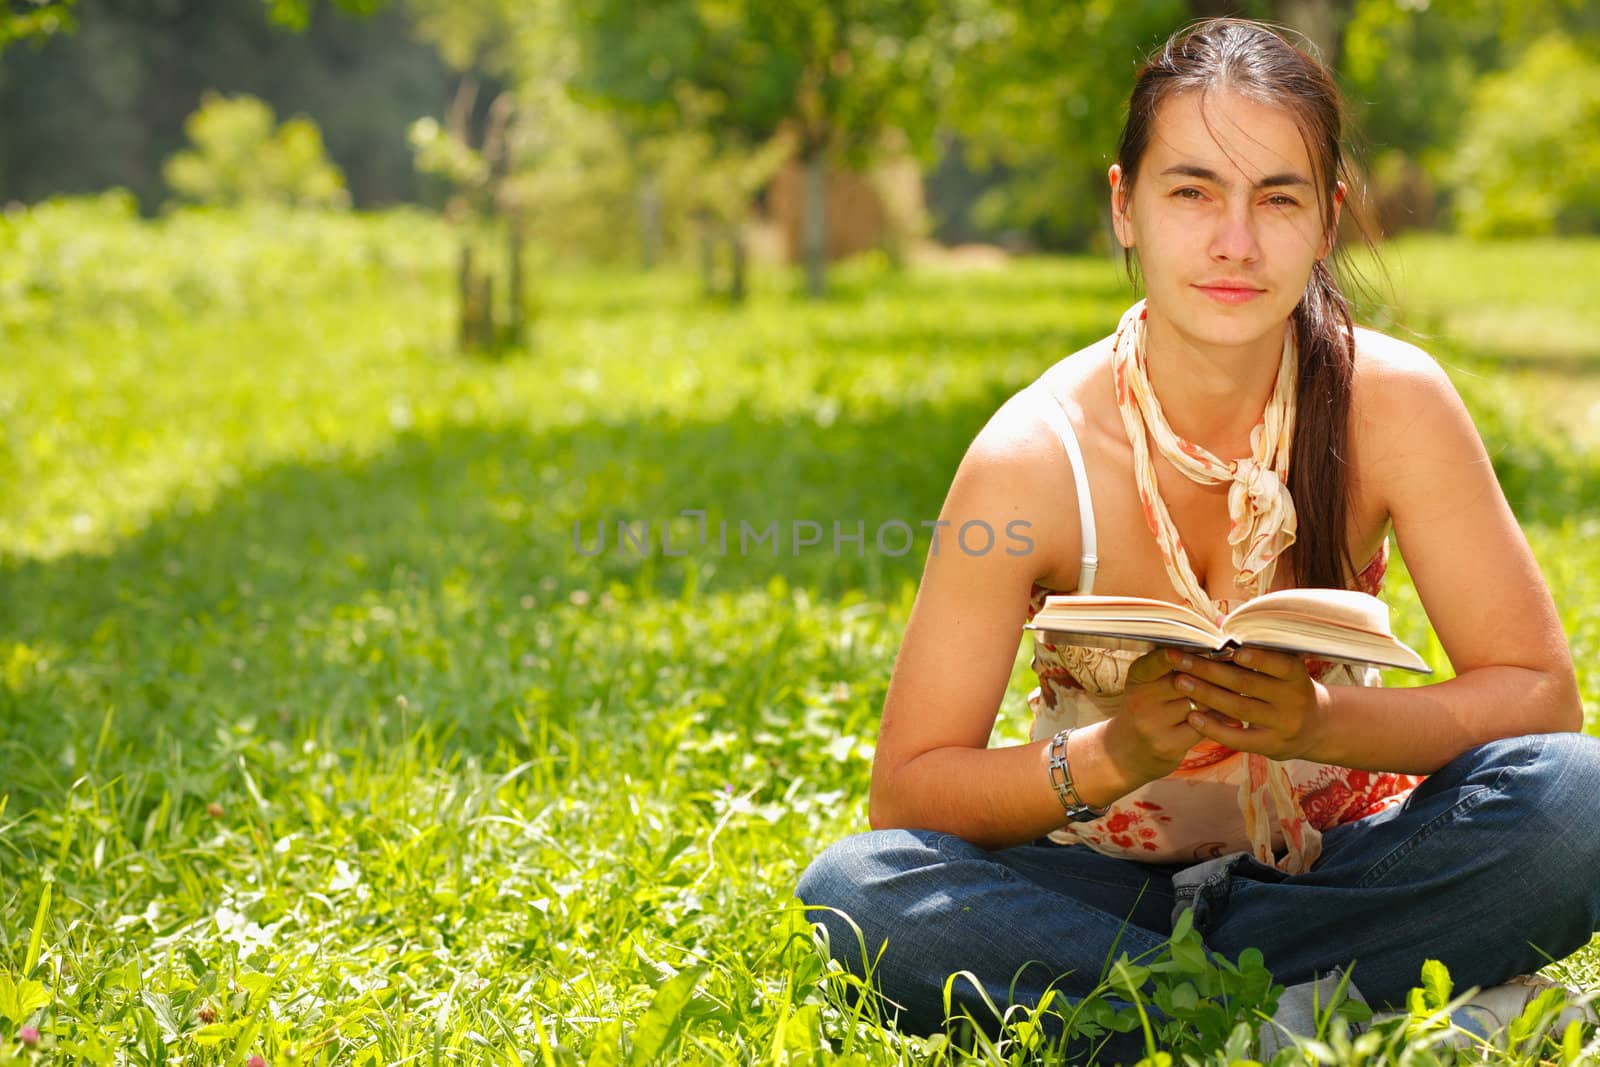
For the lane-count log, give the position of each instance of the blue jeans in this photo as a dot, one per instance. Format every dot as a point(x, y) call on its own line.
point(1492, 865)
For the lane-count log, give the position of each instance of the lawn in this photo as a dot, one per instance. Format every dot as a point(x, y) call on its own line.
point(325, 737)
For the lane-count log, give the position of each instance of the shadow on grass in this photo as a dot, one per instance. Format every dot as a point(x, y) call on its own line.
point(446, 567)
point(434, 569)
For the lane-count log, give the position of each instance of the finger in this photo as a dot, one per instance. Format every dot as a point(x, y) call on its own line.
point(1149, 667)
point(1224, 731)
point(1280, 665)
point(1177, 711)
point(1180, 736)
point(1227, 676)
point(1240, 706)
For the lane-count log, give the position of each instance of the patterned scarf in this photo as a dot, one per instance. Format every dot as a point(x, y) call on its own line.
point(1261, 525)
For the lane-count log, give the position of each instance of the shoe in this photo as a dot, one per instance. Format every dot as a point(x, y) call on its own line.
point(1299, 1007)
point(1498, 1006)
point(1485, 1016)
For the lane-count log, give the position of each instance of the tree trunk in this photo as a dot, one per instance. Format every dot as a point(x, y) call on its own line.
point(650, 240)
point(736, 246)
point(516, 309)
point(814, 223)
point(484, 304)
point(1322, 21)
point(708, 253)
point(466, 297)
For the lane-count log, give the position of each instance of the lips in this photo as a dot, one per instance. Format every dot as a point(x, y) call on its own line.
point(1229, 291)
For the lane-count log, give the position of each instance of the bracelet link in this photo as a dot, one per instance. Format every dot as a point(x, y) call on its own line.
point(1061, 781)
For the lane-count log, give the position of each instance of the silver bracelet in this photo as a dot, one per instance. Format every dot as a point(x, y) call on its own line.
point(1061, 781)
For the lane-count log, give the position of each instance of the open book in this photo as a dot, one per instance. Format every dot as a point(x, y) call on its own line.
point(1330, 624)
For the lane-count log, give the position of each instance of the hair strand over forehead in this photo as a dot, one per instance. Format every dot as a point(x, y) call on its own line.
point(1256, 62)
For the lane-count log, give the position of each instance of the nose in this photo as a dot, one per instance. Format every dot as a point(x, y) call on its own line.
point(1234, 240)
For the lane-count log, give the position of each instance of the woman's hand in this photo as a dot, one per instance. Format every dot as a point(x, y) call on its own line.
point(1260, 701)
point(1150, 735)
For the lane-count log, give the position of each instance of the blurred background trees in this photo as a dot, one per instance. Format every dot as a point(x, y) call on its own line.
point(240, 155)
point(717, 131)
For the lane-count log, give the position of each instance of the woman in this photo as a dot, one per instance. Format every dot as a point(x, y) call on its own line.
point(1236, 434)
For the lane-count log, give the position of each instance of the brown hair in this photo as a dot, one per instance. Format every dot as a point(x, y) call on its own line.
point(1254, 61)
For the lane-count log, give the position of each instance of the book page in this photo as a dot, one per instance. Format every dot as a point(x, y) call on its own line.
point(1327, 623)
point(1344, 608)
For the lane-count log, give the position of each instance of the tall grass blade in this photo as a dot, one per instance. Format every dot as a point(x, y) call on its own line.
point(36, 939)
point(663, 1019)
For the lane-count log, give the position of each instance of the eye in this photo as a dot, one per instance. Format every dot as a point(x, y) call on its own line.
point(1282, 200)
point(1188, 192)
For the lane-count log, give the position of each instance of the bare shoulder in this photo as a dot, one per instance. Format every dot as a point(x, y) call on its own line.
point(1016, 470)
point(1384, 363)
point(1399, 389)
point(1021, 431)
point(1410, 430)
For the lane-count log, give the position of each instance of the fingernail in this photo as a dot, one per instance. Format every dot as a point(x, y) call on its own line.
point(1184, 661)
point(1184, 682)
point(1244, 658)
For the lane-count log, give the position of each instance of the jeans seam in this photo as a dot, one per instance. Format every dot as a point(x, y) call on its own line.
point(1460, 807)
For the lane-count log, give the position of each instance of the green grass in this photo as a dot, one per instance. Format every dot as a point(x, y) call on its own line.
point(318, 738)
point(1519, 312)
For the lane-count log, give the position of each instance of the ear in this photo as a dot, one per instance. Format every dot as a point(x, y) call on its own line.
point(1120, 195)
point(1339, 193)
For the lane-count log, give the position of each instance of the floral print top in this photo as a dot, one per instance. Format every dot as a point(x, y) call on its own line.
point(1197, 812)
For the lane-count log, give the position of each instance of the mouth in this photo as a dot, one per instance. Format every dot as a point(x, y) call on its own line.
point(1230, 292)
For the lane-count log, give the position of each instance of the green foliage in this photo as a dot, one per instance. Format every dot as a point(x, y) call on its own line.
point(1050, 125)
point(35, 20)
point(1409, 71)
point(332, 748)
point(241, 156)
point(296, 14)
point(1205, 1002)
point(559, 169)
point(104, 106)
point(837, 75)
point(754, 83)
point(1412, 73)
point(1530, 146)
point(20, 999)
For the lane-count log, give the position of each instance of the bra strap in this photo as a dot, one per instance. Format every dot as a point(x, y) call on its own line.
point(1057, 418)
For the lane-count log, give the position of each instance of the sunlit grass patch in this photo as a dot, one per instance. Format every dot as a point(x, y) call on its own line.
point(329, 744)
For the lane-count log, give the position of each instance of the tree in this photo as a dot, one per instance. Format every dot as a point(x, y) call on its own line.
point(240, 155)
point(521, 155)
point(471, 152)
point(1039, 95)
point(695, 166)
point(39, 19)
point(296, 14)
point(1530, 146)
point(832, 76)
point(1412, 73)
point(104, 105)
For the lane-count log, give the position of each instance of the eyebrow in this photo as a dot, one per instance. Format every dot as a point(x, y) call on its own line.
point(1207, 174)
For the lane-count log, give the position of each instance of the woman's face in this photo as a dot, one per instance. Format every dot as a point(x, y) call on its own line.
point(1224, 218)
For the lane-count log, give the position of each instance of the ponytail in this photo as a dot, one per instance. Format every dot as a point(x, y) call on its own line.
point(1319, 471)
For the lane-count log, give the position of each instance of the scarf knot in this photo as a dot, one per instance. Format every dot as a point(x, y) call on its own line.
point(1261, 518)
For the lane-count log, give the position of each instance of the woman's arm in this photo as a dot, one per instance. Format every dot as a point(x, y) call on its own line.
point(932, 769)
point(1418, 453)
point(1473, 570)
